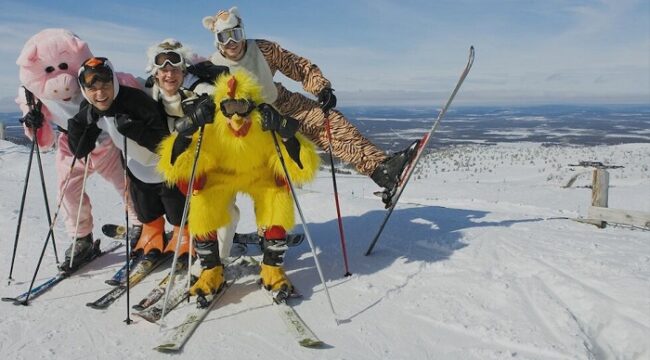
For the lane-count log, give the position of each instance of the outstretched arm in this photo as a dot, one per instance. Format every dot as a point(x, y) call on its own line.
point(294, 67)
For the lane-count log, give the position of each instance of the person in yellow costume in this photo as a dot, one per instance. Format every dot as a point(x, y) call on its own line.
point(238, 155)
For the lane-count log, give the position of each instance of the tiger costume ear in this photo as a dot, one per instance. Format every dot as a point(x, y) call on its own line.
point(209, 22)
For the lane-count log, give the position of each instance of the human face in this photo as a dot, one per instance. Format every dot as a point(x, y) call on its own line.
point(100, 94)
point(169, 79)
point(233, 50)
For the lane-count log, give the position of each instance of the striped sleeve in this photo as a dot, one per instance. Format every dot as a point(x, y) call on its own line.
point(293, 66)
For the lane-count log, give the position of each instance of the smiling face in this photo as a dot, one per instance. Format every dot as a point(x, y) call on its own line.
point(169, 79)
point(233, 50)
point(100, 94)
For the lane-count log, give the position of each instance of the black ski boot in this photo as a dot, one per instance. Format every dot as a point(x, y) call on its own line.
point(84, 249)
point(389, 173)
point(272, 275)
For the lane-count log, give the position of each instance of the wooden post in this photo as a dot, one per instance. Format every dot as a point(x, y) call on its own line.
point(2, 130)
point(600, 190)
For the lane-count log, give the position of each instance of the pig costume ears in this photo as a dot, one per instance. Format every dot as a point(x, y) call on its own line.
point(29, 54)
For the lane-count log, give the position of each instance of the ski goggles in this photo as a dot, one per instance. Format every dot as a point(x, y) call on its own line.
point(93, 70)
point(170, 57)
point(235, 34)
point(241, 107)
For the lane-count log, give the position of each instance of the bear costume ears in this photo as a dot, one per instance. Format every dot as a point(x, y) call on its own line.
point(225, 19)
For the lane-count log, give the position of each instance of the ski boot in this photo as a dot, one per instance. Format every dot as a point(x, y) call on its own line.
point(84, 249)
point(389, 173)
point(211, 279)
point(272, 274)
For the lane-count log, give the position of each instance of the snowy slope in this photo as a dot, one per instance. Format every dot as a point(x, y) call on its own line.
point(480, 261)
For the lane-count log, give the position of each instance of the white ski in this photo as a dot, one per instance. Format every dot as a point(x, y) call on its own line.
point(177, 336)
point(295, 324)
point(394, 196)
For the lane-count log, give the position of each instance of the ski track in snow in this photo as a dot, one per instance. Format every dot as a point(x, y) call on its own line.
point(479, 261)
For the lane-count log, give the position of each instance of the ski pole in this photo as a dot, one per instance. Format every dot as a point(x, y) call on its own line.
point(128, 320)
point(22, 208)
point(30, 101)
point(81, 199)
point(50, 232)
point(186, 209)
point(336, 196)
point(304, 224)
point(37, 106)
point(47, 202)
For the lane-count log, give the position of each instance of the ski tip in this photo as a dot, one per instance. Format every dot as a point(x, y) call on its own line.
point(10, 299)
point(167, 348)
point(95, 306)
point(311, 343)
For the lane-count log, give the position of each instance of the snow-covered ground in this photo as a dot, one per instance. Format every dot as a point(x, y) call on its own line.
point(481, 260)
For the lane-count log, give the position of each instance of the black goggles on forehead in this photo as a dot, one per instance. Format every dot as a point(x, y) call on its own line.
point(170, 57)
point(93, 70)
point(235, 34)
point(241, 107)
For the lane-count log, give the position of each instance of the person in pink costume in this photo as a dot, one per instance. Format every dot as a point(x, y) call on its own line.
point(48, 66)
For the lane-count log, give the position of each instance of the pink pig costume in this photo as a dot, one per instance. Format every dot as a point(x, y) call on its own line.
point(48, 64)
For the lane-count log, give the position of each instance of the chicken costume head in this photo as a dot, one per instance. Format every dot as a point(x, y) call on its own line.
point(237, 156)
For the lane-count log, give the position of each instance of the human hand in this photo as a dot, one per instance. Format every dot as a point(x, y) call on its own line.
point(33, 119)
point(123, 123)
point(285, 126)
point(200, 110)
point(327, 99)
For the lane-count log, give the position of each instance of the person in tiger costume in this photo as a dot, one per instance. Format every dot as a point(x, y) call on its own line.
point(264, 58)
point(238, 155)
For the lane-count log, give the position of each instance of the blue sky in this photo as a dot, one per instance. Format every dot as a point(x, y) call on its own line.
point(385, 52)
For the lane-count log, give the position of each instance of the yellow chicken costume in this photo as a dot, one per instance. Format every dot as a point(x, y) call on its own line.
point(238, 156)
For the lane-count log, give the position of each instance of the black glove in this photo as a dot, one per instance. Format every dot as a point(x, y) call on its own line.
point(123, 123)
point(285, 126)
point(33, 119)
point(327, 99)
point(200, 110)
point(185, 126)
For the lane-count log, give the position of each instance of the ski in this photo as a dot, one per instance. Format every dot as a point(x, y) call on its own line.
point(177, 336)
point(114, 231)
point(155, 312)
point(296, 326)
point(119, 276)
point(119, 232)
point(393, 196)
point(253, 238)
point(159, 290)
point(141, 270)
point(51, 282)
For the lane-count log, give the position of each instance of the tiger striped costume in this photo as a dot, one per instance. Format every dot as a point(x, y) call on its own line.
point(264, 58)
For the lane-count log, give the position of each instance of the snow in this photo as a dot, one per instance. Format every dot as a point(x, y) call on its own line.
point(481, 260)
